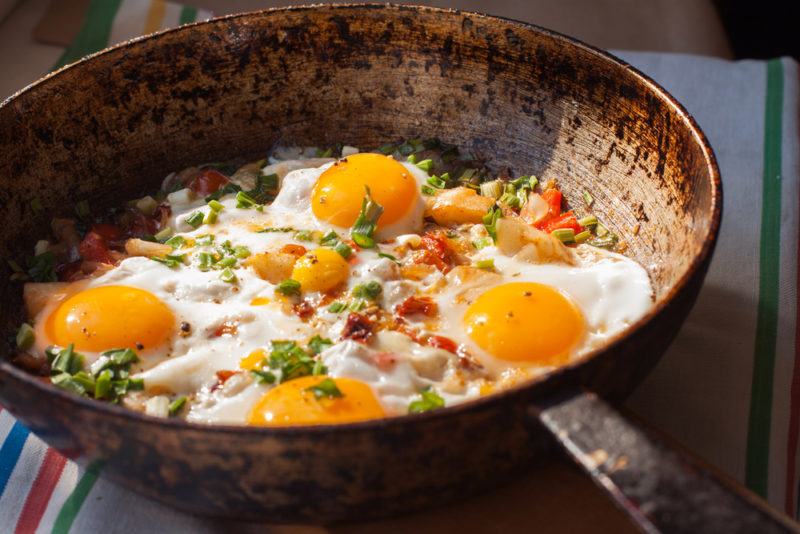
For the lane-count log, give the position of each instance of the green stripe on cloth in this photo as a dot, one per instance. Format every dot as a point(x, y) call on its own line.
point(69, 511)
point(188, 14)
point(760, 422)
point(94, 33)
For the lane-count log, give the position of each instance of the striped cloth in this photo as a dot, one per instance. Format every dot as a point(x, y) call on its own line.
point(729, 387)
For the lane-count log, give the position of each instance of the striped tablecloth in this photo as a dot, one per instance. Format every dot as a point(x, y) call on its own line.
point(729, 387)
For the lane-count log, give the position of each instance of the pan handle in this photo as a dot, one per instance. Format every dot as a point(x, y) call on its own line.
point(659, 488)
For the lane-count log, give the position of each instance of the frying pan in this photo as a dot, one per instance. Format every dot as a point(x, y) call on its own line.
point(109, 127)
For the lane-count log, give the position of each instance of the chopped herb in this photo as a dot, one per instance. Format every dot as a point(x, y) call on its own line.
point(171, 261)
point(337, 307)
point(241, 252)
point(490, 221)
point(343, 249)
point(206, 260)
point(587, 198)
point(371, 290)
point(82, 211)
point(491, 189)
point(319, 368)
point(566, 235)
point(263, 377)
point(487, 265)
point(25, 336)
point(227, 189)
point(244, 201)
point(317, 344)
point(177, 405)
point(428, 190)
point(205, 240)
point(356, 305)
point(388, 257)
point(195, 219)
point(467, 175)
point(211, 217)
point(387, 149)
point(276, 229)
point(291, 360)
point(227, 275)
point(328, 152)
point(608, 241)
point(304, 235)
point(164, 235)
point(412, 158)
point(588, 221)
point(437, 182)
point(41, 268)
point(367, 221)
point(330, 239)
point(583, 236)
point(288, 287)
point(264, 191)
point(326, 388)
point(482, 243)
point(102, 384)
point(67, 361)
point(426, 165)
point(65, 381)
point(430, 400)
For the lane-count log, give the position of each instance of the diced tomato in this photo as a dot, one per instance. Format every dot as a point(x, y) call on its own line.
point(108, 232)
point(208, 182)
point(565, 220)
point(553, 199)
point(94, 248)
point(417, 304)
point(433, 250)
point(441, 342)
point(222, 377)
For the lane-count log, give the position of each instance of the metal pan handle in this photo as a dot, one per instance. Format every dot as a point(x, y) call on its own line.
point(659, 488)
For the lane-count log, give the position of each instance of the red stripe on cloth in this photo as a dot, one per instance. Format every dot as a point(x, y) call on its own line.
point(40, 492)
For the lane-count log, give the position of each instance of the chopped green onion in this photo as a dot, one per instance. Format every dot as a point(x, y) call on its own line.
point(244, 201)
point(367, 221)
point(136, 384)
point(583, 236)
point(565, 235)
point(170, 260)
point(482, 242)
point(588, 221)
point(177, 405)
point(429, 400)
point(328, 152)
point(601, 230)
point(317, 344)
point(486, 265)
point(343, 249)
point(412, 158)
point(467, 175)
point(268, 181)
point(337, 307)
point(587, 198)
point(371, 290)
point(510, 199)
point(490, 221)
point(357, 305)
point(102, 384)
point(147, 205)
point(288, 287)
point(241, 252)
point(426, 165)
point(428, 190)
point(319, 368)
point(276, 229)
point(608, 241)
point(82, 211)
point(222, 191)
point(326, 388)
point(25, 336)
point(206, 260)
point(65, 381)
point(226, 262)
point(388, 257)
point(227, 275)
point(263, 377)
point(195, 219)
point(304, 235)
point(491, 189)
point(386, 149)
point(163, 235)
point(205, 240)
point(67, 361)
point(211, 217)
point(216, 205)
point(437, 182)
point(330, 239)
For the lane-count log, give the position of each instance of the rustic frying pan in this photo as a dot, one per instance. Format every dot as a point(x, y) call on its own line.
point(109, 128)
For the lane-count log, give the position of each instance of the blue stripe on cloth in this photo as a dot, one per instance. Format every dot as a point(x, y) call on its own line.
point(10, 452)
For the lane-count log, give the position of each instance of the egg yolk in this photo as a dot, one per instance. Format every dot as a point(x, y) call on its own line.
point(320, 270)
point(293, 403)
point(338, 193)
point(526, 322)
point(110, 317)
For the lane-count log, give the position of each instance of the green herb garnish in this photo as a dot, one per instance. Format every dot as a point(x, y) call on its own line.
point(337, 307)
point(429, 400)
point(176, 406)
point(486, 265)
point(490, 221)
point(325, 389)
point(388, 257)
point(25, 336)
point(288, 287)
point(370, 291)
point(170, 260)
point(367, 221)
point(317, 344)
point(195, 219)
point(565, 235)
point(343, 249)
